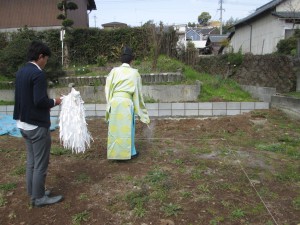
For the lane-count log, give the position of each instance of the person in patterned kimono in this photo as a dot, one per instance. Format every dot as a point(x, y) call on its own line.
point(123, 92)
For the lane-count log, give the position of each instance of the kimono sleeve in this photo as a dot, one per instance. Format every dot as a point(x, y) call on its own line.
point(138, 101)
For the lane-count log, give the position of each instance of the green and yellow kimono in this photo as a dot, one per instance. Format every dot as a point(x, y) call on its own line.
point(123, 91)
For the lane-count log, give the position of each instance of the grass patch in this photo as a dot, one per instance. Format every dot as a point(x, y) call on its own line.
point(8, 186)
point(290, 174)
point(6, 102)
point(293, 94)
point(287, 146)
point(218, 89)
point(137, 201)
point(59, 151)
point(82, 178)
point(20, 170)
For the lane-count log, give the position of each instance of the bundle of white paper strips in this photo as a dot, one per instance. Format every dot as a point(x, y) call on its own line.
point(73, 130)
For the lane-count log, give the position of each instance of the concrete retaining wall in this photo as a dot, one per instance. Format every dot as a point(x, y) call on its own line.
point(100, 80)
point(289, 105)
point(159, 93)
point(199, 109)
point(262, 93)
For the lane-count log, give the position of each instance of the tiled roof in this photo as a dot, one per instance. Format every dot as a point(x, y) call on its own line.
point(287, 15)
point(267, 7)
point(217, 38)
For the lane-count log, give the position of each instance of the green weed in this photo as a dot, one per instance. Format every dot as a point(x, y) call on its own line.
point(178, 162)
point(216, 220)
point(186, 194)
point(203, 188)
point(159, 194)
point(266, 193)
point(156, 176)
point(80, 217)
point(83, 196)
point(171, 209)
point(137, 201)
point(296, 203)
point(3, 201)
point(237, 213)
point(12, 215)
point(196, 174)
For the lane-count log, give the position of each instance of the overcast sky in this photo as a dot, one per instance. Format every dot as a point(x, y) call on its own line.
point(137, 12)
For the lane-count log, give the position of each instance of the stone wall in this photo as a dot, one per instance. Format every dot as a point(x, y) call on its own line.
point(256, 70)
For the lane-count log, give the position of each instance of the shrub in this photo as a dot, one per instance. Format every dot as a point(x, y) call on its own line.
point(289, 46)
point(13, 55)
point(101, 60)
point(235, 58)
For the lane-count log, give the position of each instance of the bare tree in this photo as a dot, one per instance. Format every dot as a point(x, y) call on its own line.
point(294, 10)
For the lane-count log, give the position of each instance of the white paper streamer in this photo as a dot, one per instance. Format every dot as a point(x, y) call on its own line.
point(73, 130)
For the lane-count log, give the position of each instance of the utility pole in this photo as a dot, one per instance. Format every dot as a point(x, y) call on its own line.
point(95, 20)
point(221, 16)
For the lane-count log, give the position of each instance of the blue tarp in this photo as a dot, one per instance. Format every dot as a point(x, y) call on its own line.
point(8, 125)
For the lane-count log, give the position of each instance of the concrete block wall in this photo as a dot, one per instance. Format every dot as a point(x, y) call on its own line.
point(100, 80)
point(184, 109)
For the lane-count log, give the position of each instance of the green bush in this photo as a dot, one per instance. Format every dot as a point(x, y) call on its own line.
point(289, 46)
point(13, 55)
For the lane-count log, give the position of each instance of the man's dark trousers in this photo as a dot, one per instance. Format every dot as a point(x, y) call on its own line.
point(38, 144)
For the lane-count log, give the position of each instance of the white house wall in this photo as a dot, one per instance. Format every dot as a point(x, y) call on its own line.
point(289, 6)
point(266, 33)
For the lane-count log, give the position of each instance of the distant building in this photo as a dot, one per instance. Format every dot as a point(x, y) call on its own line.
point(41, 14)
point(216, 43)
point(114, 25)
point(260, 32)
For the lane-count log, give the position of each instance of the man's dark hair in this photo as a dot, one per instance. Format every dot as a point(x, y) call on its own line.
point(35, 49)
point(127, 55)
point(126, 58)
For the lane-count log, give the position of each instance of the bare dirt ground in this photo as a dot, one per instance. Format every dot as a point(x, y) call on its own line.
point(194, 171)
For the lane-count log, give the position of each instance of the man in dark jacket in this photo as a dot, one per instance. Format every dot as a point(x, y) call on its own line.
point(32, 113)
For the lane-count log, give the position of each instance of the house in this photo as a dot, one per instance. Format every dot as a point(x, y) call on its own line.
point(198, 36)
point(41, 14)
point(260, 32)
point(114, 25)
point(216, 42)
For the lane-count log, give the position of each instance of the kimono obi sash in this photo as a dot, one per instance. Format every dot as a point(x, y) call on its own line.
point(123, 95)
